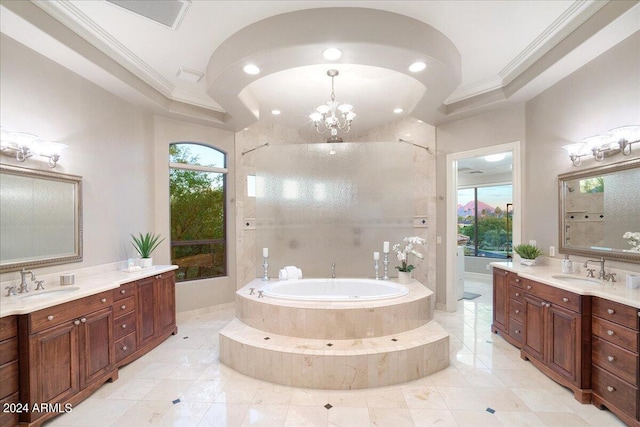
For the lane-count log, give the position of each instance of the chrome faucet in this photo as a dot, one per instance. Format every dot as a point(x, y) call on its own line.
point(24, 286)
point(601, 274)
point(333, 270)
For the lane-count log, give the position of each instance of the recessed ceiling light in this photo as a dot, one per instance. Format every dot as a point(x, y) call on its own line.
point(494, 157)
point(332, 53)
point(417, 66)
point(275, 112)
point(398, 110)
point(251, 69)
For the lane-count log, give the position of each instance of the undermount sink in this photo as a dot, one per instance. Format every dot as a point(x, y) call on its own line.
point(575, 279)
point(37, 296)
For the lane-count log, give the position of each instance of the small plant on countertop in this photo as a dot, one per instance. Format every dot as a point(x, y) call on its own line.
point(403, 253)
point(146, 244)
point(527, 251)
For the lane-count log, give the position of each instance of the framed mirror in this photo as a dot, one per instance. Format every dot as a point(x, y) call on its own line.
point(599, 210)
point(41, 218)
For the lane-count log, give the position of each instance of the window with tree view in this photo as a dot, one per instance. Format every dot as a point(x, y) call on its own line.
point(485, 221)
point(197, 203)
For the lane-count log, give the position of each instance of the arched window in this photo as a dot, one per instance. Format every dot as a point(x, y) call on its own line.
point(197, 189)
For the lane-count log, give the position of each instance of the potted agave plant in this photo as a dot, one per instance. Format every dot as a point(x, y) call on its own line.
point(528, 253)
point(145, 245)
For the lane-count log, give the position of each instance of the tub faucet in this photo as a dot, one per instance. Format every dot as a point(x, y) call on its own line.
point(333, 270)
point(601, 274)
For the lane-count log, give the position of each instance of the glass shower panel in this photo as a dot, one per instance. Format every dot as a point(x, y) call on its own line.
point(314, 208)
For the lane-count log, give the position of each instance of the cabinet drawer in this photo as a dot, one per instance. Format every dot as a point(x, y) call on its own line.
point(516, 293)
point(9, 419)
point(614, 359)
point(8, 327)
point(617, 334)
point(615, 312)
point(56, 315)
point(516, 330)
point(514, 280)
point(124, 291)
point(124, 306)
point(612, 389)
point(8, 379)
point(125, 346)
point(556, 296)
point(8, 350)
point(516, 310)
point(124, 325)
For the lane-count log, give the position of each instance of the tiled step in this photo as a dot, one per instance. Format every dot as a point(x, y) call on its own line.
point(335, 364)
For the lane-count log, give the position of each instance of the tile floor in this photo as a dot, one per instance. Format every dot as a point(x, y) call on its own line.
point(181, 383)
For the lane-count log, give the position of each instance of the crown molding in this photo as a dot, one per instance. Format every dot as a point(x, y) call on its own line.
point(73, 18)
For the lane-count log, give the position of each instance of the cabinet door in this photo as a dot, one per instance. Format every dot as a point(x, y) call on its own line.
point(534, 327)
point(166, 300)
point(500, 298)
point(97, 353)
point(145, 306)
point(563, 346)
point(54, 364)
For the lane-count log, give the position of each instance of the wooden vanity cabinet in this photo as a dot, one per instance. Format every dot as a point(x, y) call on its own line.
point(615, 359)
point(9, 378)
point(508, 306)
point(557, 336)
point(66, 352)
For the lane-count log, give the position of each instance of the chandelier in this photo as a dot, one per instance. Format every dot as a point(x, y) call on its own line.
point(333, 116)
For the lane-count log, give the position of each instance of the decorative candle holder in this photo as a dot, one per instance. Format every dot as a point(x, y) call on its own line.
point(376, 267)
point(386, 266)
point(265, 265)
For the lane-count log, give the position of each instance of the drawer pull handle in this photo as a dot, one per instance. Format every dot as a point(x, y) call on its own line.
point(103, 300)
point(565, 299)
point(505, 273)
point(124, 348)
point(123, 291)
point(123, 307)
point(544, 304)
point(610, 310)
point(611, 358)
point(83, 320)
point(49, 317)
point(610, 332)
point(610, 388)
point(77, 322)
point(124, 326)
point(517, 280)
point(517, 311)
point(517, 294)
point(516, 331)
point(528, 286)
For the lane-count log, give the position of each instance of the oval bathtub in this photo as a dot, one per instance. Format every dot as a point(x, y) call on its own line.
point(334, 289)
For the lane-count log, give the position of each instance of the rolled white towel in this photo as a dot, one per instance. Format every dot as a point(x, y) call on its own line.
point(292, 272)
point(282, 274)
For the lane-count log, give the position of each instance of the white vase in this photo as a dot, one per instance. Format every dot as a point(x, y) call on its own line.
point(529, 262)
point(404, 277)
point(146, 262)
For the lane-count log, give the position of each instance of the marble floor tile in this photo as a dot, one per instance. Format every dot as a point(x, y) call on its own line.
point(486, 372)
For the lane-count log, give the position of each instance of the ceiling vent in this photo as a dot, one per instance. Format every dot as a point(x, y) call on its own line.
point(166, 12)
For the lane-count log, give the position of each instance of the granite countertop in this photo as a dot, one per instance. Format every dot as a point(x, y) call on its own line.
point(84, 286)
point(576, 283)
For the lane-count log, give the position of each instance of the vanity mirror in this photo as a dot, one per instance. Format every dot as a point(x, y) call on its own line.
point(597, 207)
point(41, 218)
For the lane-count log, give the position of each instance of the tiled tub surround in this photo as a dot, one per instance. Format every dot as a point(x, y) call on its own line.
point(335, 320)
point(335, 345)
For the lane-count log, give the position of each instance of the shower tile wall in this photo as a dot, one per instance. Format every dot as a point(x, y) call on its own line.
point(420, 177)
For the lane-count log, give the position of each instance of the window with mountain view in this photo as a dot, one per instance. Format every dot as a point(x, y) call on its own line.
point(197, 178)
point(485, 221)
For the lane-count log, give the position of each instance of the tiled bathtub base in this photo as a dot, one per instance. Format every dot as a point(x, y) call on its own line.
point(335, 364)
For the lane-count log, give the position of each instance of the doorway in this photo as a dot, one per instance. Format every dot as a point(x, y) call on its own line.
point(459, 177)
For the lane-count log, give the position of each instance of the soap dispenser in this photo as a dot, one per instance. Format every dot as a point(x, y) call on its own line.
point(567, 265)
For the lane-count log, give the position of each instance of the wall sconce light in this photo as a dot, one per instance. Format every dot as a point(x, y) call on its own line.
point(618, 140)
point(25, 145)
